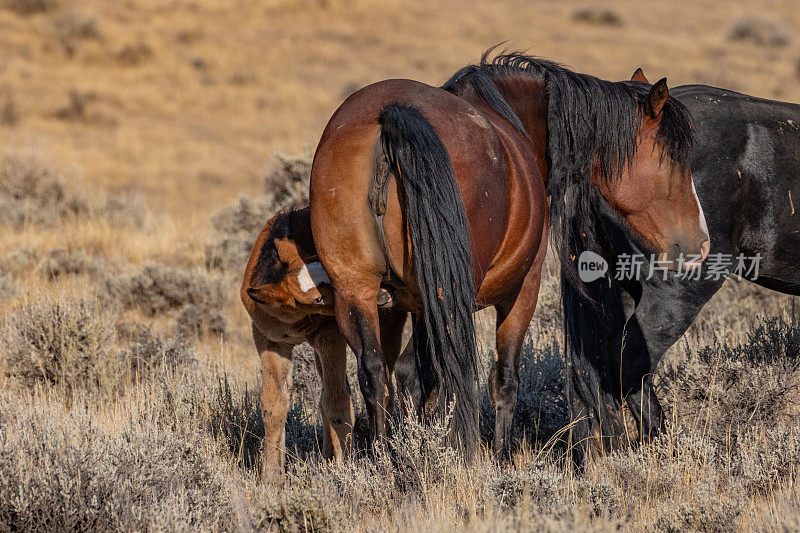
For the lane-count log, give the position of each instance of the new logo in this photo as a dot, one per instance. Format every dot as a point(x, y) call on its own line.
point(591, 266)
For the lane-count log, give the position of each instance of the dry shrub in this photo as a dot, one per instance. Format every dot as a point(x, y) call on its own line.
point(157, 289)
point(62, 472)
point(600, 16)
point(125, 211)
point(765, 458)
point(20, 261)
point(235, 420)
point(68, 342)
point(8, 287)
point(287, 185)
point(706, 512)
point(132, 55)
point(147, 353)
point(33, 194)
point(236, 227)
point(306, 383)
point(744, 385)
point(759, 31)
point(76, 109)
point(75, 345)
point(8, 111)
point(27, 7)
point(198, 320)
point(541, 410)
point(60, 262)
point(74, 25)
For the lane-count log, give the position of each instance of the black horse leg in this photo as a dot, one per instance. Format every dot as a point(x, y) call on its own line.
point(663, 314)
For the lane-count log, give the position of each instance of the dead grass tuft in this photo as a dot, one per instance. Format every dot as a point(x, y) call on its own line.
point(77, 25)
point(8, 287)
point(60, 262)
point(133, 55)
point(759, 31)
point(27, 7)
point(65, 473)
point(601, 16)
point(756, 382)
point(66, 342)
point(9, 116)
point(157, 289)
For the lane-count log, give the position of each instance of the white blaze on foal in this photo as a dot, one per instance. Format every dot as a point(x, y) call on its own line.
point(312, 275)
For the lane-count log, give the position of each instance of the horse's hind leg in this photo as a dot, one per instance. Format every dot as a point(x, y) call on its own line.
point(276, 378)
point(335, 402)
point(392, 324)
point(415, 373)
point(358, 321)
point(513, 319)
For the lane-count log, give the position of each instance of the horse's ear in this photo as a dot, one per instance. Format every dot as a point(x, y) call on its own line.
point(639, 76)
point(657, 98)
point(258, 294)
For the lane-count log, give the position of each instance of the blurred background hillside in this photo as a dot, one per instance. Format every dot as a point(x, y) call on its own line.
point(143, 145)
point(187, 101)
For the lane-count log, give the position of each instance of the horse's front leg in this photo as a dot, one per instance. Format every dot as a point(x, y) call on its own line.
point(276, 386)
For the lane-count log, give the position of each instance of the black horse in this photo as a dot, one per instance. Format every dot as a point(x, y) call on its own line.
point(746, 168)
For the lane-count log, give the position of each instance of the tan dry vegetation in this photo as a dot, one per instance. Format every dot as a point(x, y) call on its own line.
point(150, 116)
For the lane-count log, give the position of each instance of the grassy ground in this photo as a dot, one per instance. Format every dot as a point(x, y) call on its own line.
point(128, 396)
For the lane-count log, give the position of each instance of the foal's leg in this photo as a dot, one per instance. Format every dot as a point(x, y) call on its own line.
point(513, 319)
point(356, 311)
point(276, 385)
point(335, 402)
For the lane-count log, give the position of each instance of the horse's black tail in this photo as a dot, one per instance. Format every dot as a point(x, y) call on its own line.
point(440, 247)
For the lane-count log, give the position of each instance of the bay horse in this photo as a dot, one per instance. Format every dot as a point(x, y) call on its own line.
point(441, 193)
point(746, 168)
point(286, 293)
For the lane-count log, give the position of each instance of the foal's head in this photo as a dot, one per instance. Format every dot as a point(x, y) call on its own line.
point(284, 277)
point(654, 192)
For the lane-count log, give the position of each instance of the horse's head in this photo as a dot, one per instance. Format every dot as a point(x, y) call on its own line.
point(284, 277)
point(654, 192)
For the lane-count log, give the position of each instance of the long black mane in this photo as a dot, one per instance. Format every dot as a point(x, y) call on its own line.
point(592, 126)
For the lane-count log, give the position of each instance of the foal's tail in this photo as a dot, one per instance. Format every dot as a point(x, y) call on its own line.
point(441, 250)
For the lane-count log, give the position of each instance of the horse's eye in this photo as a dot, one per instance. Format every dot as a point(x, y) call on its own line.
point(318, 300)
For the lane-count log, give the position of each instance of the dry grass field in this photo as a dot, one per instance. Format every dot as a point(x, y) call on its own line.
point(140, 149)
